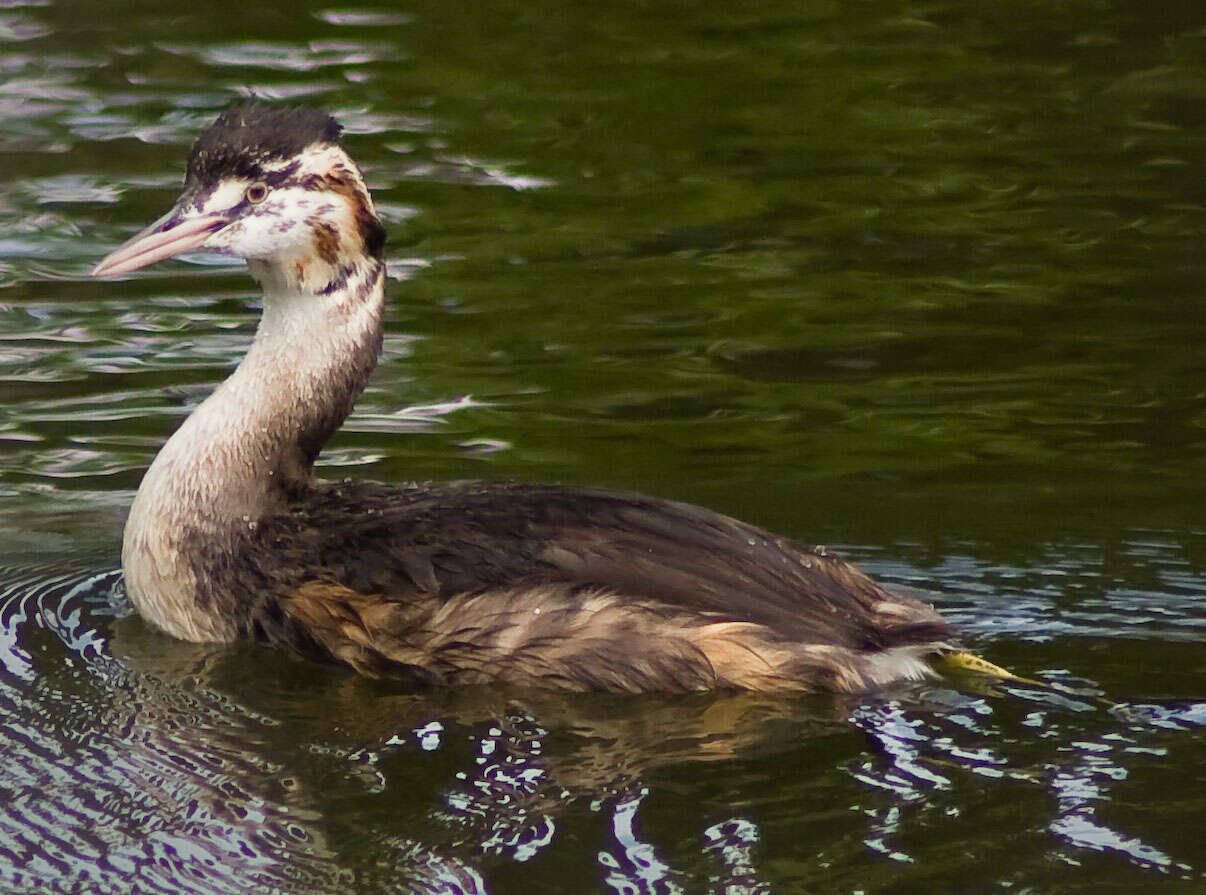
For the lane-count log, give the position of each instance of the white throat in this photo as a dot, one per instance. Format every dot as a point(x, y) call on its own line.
point(248, 449)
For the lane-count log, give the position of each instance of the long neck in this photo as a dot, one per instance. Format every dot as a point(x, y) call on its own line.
point(250, 447)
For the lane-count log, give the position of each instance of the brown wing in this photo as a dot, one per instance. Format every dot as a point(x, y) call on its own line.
point(459, 575)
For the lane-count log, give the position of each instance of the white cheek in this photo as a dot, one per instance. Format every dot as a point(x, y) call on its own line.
point(268, 229)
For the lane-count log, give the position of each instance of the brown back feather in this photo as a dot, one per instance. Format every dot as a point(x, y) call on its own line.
point(399, 554)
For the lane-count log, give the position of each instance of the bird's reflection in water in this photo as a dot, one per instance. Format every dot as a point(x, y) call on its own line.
point(130, 761)
point(508, 765)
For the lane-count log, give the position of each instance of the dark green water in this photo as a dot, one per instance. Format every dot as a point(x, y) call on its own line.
point(922, 281)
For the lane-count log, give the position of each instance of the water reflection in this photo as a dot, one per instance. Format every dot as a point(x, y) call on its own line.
point(922, 755)
point(138, 762)
point(114, 779)
point(132, 759)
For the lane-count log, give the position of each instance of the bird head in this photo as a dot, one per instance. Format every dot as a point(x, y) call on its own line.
point(272, 185)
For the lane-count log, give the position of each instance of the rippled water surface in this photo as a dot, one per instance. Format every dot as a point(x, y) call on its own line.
point(921, 281)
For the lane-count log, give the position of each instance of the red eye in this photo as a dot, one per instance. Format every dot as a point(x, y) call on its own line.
point(257, 193)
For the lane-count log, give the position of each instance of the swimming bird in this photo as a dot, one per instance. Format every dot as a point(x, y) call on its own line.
point(231, 535)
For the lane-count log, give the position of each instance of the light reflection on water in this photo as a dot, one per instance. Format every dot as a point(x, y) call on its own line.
point(921, 751)
point(147, 768)
point(1073, 589)
point(161, 781)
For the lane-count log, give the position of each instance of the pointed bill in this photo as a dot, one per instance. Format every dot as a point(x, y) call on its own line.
point(167, 237)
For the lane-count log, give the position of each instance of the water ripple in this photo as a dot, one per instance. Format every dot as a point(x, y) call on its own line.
point(285, 56)
point(923, 757)
point(14, 28)
point(1069, 590)
point(363, 18)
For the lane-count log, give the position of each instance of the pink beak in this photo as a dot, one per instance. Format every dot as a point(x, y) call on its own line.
point(163, 239)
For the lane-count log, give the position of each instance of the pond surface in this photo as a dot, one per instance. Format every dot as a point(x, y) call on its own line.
point(921, 281)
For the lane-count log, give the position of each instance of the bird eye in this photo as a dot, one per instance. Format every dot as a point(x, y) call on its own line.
point(257, 192)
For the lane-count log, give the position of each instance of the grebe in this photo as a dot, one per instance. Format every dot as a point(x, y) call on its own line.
point(231, 535)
